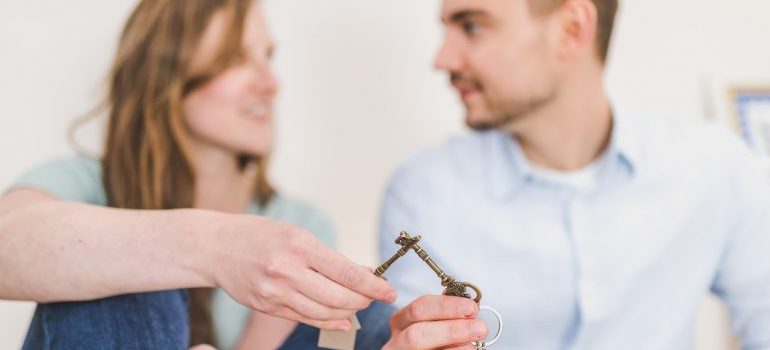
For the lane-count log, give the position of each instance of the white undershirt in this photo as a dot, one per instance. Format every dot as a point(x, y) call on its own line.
point(582, 180)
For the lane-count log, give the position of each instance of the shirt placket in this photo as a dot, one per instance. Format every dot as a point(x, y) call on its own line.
point(586, 249)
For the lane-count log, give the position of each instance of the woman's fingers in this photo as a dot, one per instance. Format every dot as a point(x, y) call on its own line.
point(329, 293)
point(332, 325)
point(203, 347)
point(285, 267)
point(313, 310)
point(350, 275)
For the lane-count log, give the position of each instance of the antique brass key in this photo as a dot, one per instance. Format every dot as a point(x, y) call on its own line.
point(452, 287)
point(405, 247)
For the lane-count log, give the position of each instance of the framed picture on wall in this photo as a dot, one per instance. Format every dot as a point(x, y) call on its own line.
point(745, 106)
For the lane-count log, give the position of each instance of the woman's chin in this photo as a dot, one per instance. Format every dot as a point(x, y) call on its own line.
point(255, 151)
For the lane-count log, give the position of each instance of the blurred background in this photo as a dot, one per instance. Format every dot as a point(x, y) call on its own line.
point(359, 94)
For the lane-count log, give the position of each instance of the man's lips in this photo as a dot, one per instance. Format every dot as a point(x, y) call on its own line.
point(467, 91)
point(465, 87)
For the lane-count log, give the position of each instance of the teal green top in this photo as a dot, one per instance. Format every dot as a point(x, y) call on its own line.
point(78, 179)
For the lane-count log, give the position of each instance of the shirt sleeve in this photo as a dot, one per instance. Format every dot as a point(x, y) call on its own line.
point(743, 278)
point(76, 179)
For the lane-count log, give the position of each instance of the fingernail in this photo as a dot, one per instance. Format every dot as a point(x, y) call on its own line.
point(478, 329)
point(391, 296)
point(469, 309)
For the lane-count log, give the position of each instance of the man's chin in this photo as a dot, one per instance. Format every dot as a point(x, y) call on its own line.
point(479, 125)
point(482, 121)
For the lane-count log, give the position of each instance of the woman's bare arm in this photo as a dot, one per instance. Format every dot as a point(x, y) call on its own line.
point(52, 250)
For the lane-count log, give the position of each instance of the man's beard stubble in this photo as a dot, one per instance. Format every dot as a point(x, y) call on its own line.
point(502, 115)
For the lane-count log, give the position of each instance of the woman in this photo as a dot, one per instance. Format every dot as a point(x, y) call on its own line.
point(106, 246)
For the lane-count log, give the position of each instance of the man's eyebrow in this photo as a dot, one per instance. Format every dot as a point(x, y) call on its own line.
point(464, 15)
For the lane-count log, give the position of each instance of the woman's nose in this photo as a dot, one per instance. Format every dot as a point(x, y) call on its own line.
point(263, 77)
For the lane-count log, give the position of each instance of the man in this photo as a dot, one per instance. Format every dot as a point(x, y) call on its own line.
point(586, 226)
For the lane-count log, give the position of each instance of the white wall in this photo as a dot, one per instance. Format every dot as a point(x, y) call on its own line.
point(359, 94)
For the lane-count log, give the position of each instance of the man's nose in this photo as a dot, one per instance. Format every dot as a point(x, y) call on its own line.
point(448, 58)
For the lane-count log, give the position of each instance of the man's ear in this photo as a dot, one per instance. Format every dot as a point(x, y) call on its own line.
point(578, 21)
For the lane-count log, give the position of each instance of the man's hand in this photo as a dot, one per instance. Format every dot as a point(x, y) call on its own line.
point(284, 271)
point(436, 322)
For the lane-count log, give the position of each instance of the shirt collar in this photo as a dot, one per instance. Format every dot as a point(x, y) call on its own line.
point(509, 170)
point(624, 141)
point(507, 167)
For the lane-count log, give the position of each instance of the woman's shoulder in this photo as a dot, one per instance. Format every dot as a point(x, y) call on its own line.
point(77, 164)
point(73, 178)
point(301, 213)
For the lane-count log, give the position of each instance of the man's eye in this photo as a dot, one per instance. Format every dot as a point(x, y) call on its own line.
point(470, 28)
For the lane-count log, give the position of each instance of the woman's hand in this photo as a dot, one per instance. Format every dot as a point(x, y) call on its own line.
point(284, 271)
point(436, 322)
point(203, 347)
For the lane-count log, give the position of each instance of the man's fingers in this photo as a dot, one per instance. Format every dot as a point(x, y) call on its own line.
point(441, 334)
point(350, 275)
point(460, 347)
point(434, 308)
point(432, 322)
point(327, 292)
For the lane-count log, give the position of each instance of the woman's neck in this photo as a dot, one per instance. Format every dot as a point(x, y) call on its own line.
point(221, 183)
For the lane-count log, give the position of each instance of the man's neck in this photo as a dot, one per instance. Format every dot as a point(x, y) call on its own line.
point(569, 133)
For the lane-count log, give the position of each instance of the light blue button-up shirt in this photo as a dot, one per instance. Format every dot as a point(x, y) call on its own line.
point(678, 208)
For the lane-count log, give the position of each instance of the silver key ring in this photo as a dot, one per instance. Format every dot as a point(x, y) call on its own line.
point(485, 344)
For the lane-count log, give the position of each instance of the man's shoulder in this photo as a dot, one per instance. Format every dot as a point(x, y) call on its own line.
point(690, 145)
point(688, 136)
point(676, 127)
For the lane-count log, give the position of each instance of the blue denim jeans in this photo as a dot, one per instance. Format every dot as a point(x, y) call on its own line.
point(155, 320)
point(158, 320)
point(374, 332)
